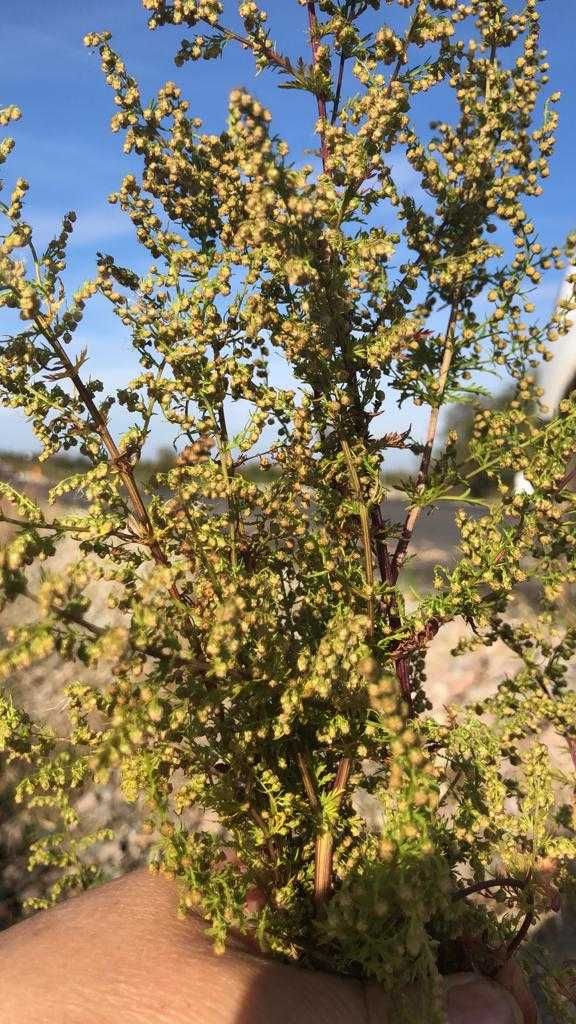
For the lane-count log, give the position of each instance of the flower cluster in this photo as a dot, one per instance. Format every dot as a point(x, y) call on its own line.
point(261, 660)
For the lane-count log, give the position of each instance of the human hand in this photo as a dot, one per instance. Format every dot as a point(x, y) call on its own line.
point(119, 955)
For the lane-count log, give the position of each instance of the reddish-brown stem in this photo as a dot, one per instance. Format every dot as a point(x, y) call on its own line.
point(420, 640)
point(336, 106)
point(520, 935)
point(324, 851)
point(502, 883)
point(382, 553)
point(115, 455)
point(308, 781)
point(322, 112)
point(324, 846)
point(388, 569)
point(566, 479)
point(489, 883)
point(283, 63)
point(324, 854)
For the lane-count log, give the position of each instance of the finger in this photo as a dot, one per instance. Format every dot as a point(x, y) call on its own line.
point(119, 953)
point(377, 1005)
point(471, 999)
point(513, 979)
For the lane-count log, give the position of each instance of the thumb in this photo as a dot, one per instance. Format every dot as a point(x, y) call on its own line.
point(512, 978)
point(472, 999)
point(468, 999)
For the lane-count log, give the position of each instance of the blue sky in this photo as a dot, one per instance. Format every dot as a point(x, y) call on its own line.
point(72, 161)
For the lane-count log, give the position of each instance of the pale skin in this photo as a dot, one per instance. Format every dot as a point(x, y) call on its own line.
point(119, 955)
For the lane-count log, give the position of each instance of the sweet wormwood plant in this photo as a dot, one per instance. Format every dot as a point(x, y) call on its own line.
point(263, 662)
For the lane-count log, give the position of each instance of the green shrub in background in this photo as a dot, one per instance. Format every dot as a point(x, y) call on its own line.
point(265, 663)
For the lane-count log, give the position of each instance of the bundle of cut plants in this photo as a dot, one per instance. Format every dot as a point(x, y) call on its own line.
point(264, 658)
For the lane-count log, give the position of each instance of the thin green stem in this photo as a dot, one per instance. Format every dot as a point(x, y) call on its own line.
point(69, 616)
point(314, 29)
point(364, 516)
point(425, 464)
point(117, 458)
